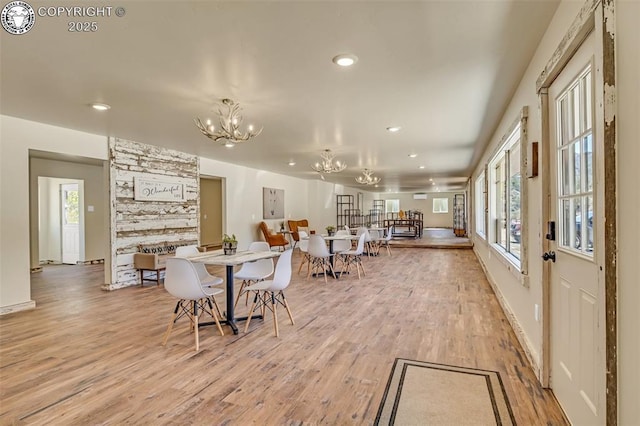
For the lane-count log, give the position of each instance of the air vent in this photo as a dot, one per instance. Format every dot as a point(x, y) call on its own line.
point(420, 196)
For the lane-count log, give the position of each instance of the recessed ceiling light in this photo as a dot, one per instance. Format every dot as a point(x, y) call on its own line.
point(345, 59)
point(413, 155)
point(229, 144)
point(430, 180)
point(421, 167)
point(101, 107)
point(433, 183)
point(394, 129)
point(292, 163)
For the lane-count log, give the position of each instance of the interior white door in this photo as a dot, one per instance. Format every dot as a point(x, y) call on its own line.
point(70, 213)
point(577, 334)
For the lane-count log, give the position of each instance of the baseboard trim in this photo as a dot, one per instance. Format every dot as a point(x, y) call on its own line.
point(4, 310)
point(90, 262)
point(513, 321)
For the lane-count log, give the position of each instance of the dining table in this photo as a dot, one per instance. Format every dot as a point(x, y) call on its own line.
point(230, 261)
point(331, 239)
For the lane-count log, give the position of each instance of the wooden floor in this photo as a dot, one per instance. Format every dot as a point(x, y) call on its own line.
point(85, 356)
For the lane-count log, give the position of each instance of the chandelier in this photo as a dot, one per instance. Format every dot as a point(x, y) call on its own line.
point(367, 178)
point(229, 130)
point(327, 165)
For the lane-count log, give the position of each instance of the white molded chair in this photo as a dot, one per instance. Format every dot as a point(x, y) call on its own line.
point(270, 293)
point(341, 245)
point(252, 272)
point(303, 245)
point(354, 257)
point(320, 257)
point(205, 277)
point(367, 239)
point(385, 241)
point(376, 236)
point(182, 281)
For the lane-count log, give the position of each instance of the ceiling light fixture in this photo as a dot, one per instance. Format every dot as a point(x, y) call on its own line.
point(229, 130)
point(100, 107)
point(292, 163)
point(421, 167)
point(367, 178)
point(345, 59)
point(413, 155)
point(327, 165)
point(393, 129)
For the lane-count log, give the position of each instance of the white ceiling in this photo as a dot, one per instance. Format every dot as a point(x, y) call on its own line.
point(442, 70)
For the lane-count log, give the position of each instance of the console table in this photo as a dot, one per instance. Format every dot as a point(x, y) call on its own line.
point(404, 227)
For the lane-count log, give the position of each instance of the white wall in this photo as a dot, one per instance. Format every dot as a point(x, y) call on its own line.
point(628, 180)
point(314, 200)
point(17, 137)
point(431, 219)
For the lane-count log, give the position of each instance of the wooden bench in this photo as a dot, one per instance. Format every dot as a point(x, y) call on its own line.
point(152, 258)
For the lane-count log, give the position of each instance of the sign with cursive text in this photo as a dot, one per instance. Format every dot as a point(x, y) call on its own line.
point(157, 190)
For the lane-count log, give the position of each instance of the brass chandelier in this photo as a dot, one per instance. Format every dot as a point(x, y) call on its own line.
point(367, 178)
point(229, 130)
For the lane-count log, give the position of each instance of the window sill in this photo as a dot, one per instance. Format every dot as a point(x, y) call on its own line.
point(508, 260)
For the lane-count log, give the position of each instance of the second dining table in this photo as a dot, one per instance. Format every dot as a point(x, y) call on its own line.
point(217, 257)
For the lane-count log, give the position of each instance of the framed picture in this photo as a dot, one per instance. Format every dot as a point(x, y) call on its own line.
point(272, 203)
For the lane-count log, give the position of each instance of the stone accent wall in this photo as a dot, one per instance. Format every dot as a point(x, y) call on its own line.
point(148, 222)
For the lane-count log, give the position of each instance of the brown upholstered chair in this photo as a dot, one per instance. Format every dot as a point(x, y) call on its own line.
point(293, 227)
point(274, 239)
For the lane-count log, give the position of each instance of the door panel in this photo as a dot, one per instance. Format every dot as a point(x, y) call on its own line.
point(70, 223)
point(577, 364)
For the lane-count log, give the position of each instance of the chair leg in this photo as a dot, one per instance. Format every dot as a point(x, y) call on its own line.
point(302, 262)
point(214, 314)
point(170, 327)
point(242, 287)
point(253, 307)
point(275, 313)
point(195, 324)
point(286, 306)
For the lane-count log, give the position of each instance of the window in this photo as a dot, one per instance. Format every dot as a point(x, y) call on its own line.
point(575, 159)
point(392, 206)
point(441, 205)
point(504, 210)
point(480, 206)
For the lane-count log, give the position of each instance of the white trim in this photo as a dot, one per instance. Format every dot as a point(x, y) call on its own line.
point(25, 306)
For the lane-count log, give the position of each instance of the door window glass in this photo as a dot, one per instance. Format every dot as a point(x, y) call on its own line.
point(575, 165)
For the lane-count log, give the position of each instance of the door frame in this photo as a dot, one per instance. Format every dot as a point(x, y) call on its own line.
point(597, 16)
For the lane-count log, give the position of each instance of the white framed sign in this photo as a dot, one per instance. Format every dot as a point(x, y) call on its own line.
point(157, 190)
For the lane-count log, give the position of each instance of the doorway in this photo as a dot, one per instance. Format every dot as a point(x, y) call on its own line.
point(211, 212)
point(60, 221)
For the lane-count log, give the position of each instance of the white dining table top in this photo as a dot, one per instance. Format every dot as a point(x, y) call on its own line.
point(340, 237)
point(217, 257)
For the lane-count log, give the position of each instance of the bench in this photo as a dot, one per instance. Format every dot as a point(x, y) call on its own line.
point(152, 258)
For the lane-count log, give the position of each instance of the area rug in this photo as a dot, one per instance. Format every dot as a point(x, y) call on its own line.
point(424, 393)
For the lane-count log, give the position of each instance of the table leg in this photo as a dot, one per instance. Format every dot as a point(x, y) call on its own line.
point(231, 319)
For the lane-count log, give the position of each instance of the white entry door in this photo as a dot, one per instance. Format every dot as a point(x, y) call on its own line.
point(70, 214)
point(577, 295)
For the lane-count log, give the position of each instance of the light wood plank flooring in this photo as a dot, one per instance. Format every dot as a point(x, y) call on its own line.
point(85, 356)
